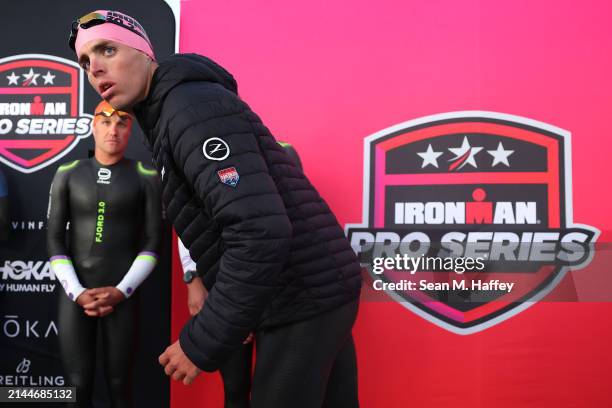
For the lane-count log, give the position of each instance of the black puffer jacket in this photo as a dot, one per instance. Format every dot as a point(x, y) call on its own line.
point(269, 248)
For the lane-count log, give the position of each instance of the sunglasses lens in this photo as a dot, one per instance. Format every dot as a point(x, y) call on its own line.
point(108, 113)
point(91, 19)
point(88, 20)
point(105, 113)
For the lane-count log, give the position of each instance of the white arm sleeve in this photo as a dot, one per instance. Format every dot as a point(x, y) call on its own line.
point(142, 266)
point(64, 271)
point(186, 261)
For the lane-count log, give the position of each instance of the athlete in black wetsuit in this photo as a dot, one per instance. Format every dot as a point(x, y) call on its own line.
point(114, 212)
point(4, 209)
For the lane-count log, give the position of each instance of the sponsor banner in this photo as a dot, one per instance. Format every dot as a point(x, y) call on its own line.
point(41, 110)
point(46, 108)
point(468, 216)
point(18, 276)
point(15, 326)
point(28, 372)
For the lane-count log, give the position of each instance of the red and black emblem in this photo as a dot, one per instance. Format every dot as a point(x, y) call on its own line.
point(470, 185)
point(41, 110)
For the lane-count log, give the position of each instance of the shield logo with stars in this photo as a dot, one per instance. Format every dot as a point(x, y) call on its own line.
point(41, 110)
point(480, 203)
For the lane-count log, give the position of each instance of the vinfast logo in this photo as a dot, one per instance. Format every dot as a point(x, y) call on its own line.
point(471, 185)
point(41, 110)
point(27, 225)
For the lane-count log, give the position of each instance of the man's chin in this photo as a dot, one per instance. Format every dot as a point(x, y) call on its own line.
point(120, 103)
point(113, 101)
point(115, 153)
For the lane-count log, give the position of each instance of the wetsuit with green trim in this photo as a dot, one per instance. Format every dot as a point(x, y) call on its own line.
point(4, 209)
point(114, 216)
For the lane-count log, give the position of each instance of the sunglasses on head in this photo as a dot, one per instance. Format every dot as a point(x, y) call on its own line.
point(93, 19)
point(108, 112)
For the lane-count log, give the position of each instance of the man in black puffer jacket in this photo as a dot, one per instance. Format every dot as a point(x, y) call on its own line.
point(273, 255)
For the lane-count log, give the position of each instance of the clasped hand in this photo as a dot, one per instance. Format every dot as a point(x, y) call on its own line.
point(99, 302)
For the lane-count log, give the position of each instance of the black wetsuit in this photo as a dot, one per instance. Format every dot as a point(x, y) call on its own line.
point(4, 209)
point(102, 250)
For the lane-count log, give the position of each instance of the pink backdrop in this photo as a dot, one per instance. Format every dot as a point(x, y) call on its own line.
point(324, 75)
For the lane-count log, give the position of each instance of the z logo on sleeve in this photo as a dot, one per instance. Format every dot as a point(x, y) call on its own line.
point(215, 149)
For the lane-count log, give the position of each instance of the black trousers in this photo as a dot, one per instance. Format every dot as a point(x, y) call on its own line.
point(236, 376)
point(308, 364)
point(77, 340)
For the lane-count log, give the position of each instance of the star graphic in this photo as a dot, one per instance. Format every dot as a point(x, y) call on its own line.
point(48, 78)
point(30, 78)
point(463, 155)
point(430, 157)
point(500, 155)
point(13, 79)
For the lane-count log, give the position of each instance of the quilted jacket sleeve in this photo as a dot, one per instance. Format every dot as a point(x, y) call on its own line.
point(212, 141)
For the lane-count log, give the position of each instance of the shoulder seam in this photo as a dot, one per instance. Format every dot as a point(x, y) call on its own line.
point(68, 166)
point(144, 171)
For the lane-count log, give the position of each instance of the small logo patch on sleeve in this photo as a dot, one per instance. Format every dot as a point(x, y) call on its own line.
point(216, 149)
point(229, 176)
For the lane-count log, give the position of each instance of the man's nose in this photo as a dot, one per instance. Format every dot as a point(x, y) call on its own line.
point(96, 67)
point(112, 130)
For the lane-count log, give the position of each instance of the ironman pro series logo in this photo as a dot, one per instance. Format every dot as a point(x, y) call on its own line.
point(41, 110)
point(479, 185)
